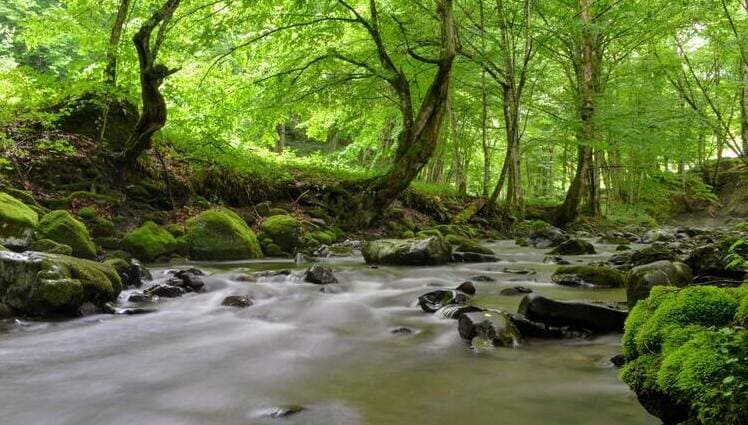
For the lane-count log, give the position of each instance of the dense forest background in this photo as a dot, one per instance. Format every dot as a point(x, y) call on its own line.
point(595, 106)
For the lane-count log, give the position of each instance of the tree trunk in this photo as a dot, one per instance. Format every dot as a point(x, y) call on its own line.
point(280, 144)
point(153, 115)
point(424, 134)
point(744, 108)
point(511, 119)
point(110, 70)
point(457, 169)
point(585, 185)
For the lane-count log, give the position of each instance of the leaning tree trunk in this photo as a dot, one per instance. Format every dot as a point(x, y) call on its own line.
point(153, 115)
point(423, 136)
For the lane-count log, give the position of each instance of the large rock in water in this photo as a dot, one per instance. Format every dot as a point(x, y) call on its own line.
point(285, 231)
point(37, 284)
point(149, 242)
point(640, 280)
point(573, 314)
point(220, 235)
point(407, 252)
point(17, 222)
point(493, 326)
point(63, 228)
point(573, 247)
point(588, 276)
point(546, 236)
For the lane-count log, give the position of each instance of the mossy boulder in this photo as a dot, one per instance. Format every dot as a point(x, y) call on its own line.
point(462, 244)
point(17, 222)
point(686, 355)
point(573, 247)
point(543, 235)
point(285, 231)
point(413, 252)
point(63, 228)
point(100, 227)
point(149, 242)
point(641, 279)
point(588, 276)
point(220, 235)
point(325, 237)
point(651, 254)
point(38, 284)
point(50, 246)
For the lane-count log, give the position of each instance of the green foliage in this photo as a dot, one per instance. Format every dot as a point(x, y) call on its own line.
point(690, 345)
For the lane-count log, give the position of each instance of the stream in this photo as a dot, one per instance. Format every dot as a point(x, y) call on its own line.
point(329, 349)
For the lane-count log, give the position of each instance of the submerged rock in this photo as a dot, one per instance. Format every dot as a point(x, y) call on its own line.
point(17, 222)
point(588, 276)
point(455, 311)
point(515, 290)
point(401, 331)
point(187, 279)
point(573, 314)
point(63, 228)
point(220, 235)
point(37, 284)
point(573, 247)
point(467, 287)
point(407, 252)
point(434, 300)
point(239, 301)
point(472, 257)
point(640, 280)
point(492, 326)
point(546, 236)
point(463, 244)
point(165, 291)
point(319, 275)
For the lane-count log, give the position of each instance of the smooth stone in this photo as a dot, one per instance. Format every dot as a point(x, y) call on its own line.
point(319, 275)
point(574, 314)
point(239, 301)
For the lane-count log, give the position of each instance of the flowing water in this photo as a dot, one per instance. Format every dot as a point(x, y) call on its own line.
point(331, 351)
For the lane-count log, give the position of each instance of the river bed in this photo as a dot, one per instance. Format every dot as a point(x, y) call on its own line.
point(328, 349)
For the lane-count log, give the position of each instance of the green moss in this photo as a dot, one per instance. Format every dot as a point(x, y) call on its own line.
point(61, 227)
point(220, 234)
point(463, 244)
point(423, 234)
point(341, 251)
point(176, 230)
point(39, 283)
point(593, 275)
point(50, 246)
point(17, 221)
point(150, 241)
point(285, 231)
point(321, 236)
point(277, 211)
point(273, 250)
point(408, 234)
point(88, 213)
point(687, 344)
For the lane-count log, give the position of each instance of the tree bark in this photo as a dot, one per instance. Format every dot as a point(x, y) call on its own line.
point(153, 115)
point(585, 185)
point(280, 144)
point(424, 133)
point(110, 70)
